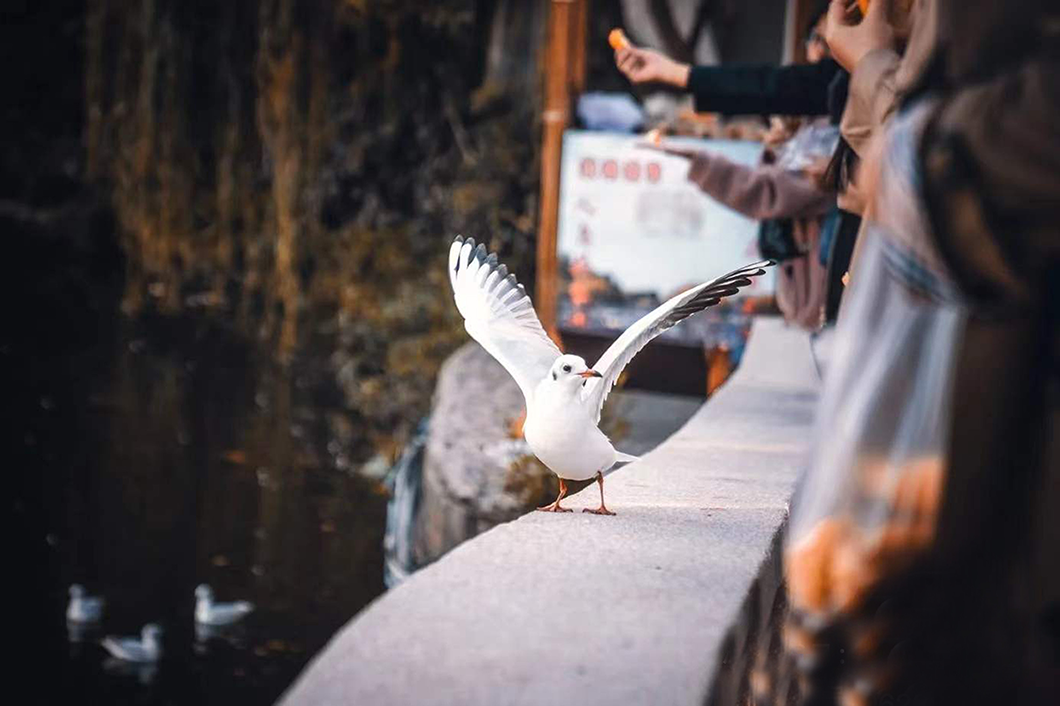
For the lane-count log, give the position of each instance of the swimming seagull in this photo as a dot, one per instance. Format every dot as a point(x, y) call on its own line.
point(564, 396)
point(82, 608)
point(148, 648)
point(209, 613)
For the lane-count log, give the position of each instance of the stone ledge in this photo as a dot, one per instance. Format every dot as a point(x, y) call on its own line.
point(586, 609)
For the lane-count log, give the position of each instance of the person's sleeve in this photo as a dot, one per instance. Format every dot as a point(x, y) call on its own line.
point(759, 192)
point(797, 89)
point(871, 98)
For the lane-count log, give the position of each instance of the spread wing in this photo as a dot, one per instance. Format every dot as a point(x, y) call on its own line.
point(666, 316)
point(498, 314)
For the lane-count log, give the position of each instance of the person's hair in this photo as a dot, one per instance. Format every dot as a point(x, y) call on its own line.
point(976, 39)
point(840, 170)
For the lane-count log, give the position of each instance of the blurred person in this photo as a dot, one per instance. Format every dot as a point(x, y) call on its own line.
point(868, 47)
point(921, 552)
point(789, 200)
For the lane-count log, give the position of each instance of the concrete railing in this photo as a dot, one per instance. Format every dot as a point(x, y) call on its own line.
point(612, 610)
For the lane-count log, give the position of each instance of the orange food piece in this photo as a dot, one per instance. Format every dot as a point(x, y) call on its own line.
point(618, 40)
point(654, 136)
point(901, 9)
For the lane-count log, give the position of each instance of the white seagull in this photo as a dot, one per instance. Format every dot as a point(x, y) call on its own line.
point(82, 608)
point(148, 648)
point(209, 613)
point(564, 396)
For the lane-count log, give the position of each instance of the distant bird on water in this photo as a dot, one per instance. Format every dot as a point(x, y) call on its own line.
point(207, 612)
point(564, 396)
point(148, 648)
point(83, 608)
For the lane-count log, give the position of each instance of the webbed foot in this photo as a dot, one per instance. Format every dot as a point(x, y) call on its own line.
point(554, 508)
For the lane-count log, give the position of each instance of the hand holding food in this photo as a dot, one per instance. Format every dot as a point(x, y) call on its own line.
point(849, 43)
point(646, 65)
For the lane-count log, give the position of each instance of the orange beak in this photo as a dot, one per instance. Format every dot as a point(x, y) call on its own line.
point(590, 374)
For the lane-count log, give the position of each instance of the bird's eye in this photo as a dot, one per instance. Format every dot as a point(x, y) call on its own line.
point(566, 368)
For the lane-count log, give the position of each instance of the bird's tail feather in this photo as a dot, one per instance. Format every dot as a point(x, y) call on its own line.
point(621, 460)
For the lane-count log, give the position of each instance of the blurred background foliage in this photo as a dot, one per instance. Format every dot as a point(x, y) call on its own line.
point(295, 170)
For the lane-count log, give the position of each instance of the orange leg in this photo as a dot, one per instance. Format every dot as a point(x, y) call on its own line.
point(602, 510)
point(554, 507)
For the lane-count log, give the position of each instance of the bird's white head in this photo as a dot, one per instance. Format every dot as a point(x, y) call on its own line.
point(77, 591)
point(571, 371)
point(203, 592)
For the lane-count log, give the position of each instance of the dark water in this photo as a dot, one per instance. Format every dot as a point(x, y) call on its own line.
point(155, 456)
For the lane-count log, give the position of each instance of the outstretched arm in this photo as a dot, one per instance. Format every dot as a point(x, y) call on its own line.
point(795, 89)
point(800, 89)
point(759, 192)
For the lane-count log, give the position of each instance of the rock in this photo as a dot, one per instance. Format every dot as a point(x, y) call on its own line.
point(475, 475)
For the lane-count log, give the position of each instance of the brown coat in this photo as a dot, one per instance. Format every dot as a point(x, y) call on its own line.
point(770, 192)
point(871, 98)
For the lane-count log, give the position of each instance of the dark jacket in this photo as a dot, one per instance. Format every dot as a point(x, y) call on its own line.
point(765, 89)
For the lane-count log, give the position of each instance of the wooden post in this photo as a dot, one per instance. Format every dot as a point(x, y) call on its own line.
point(555, 118)
point(578, 49)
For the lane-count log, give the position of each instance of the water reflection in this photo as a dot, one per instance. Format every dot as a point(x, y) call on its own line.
point(78, 633)
point(168, 456)
point(231, 636)
point(143, 672)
